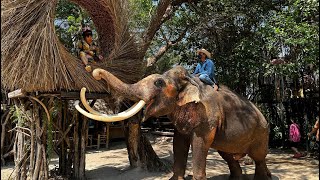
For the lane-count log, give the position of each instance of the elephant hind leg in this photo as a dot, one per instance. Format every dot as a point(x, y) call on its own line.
point(234, 167)
point(261, 172)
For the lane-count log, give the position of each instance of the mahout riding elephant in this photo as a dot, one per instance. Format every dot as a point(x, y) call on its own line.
point(203, 118)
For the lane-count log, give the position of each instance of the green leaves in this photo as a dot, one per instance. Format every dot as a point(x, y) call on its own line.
point(69, 19)
point(141, 11)
point(19, 115)
point(244, 36)
point(292, 28)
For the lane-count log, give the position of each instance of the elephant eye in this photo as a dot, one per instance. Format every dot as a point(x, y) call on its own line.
point(159, 83)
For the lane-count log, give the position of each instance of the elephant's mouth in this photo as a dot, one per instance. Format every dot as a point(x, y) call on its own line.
point(151, 109)
point(149, 106)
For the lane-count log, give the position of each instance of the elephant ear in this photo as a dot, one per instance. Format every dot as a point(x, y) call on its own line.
point(189, 94)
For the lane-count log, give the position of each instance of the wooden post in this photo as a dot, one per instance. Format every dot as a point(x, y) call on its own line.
point(80, 141)
point(76, 147)
point(18, 160)
point(17, 93)
point(63, 147)
point(43, 141)
point(98, 141)
point(84, 137)
point(32, 144)
point(4, 120)
point(108, 134)
point(38, 147)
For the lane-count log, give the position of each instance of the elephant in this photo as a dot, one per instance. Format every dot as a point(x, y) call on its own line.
point(203, 118)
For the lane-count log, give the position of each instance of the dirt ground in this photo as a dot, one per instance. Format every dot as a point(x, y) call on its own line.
point(113, 164)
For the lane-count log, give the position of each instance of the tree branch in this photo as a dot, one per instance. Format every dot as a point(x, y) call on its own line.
point(155, 23)
point(181, 35)
point(164, 12)
point(163, 49)
point(164, 36)
point(153, 59)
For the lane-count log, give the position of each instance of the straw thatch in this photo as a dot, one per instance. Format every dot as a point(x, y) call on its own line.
point(33, 58)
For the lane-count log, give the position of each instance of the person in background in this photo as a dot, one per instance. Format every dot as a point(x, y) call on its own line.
point(205, 69)
point(315, 129)
point(294, 137)
point(88, 51)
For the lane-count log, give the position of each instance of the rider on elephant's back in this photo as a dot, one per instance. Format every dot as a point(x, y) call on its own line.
point(205, 69)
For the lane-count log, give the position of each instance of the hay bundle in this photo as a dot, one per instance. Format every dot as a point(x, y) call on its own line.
point(34, 59)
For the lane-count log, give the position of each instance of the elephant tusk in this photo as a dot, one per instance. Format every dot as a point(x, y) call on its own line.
point(92, 111)
point(85, 103)
point(112, 118)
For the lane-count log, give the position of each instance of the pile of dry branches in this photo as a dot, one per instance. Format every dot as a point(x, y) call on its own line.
point(35, 60)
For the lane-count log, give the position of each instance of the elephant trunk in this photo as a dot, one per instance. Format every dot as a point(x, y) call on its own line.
point(127, 90)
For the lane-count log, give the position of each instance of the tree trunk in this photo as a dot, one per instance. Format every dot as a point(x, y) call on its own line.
point(132, 135)
point(140, 151)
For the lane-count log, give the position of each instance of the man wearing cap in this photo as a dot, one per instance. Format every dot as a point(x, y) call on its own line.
point(205, 69)
point(88, 51)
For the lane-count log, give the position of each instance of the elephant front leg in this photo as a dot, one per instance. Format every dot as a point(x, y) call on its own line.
point(200, 146)
point(181, 144)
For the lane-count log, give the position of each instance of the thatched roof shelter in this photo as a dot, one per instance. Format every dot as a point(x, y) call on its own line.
point(33, 58)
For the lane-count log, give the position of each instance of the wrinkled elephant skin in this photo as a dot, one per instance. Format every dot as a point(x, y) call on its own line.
point(203, 118)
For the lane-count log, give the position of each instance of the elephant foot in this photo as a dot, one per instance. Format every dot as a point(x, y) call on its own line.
point(234, 166)
point(194, 178)
point(262, 177)
point(235, 177)
point(262, 172)
point(199, 177)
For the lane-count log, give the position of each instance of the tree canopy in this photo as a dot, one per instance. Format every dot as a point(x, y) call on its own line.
point(243, 36)
point(250, 40)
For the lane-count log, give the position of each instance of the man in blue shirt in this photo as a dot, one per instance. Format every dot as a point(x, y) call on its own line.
point(205, 69)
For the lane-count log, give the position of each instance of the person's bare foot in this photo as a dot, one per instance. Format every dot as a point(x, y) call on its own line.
point(88, 68)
